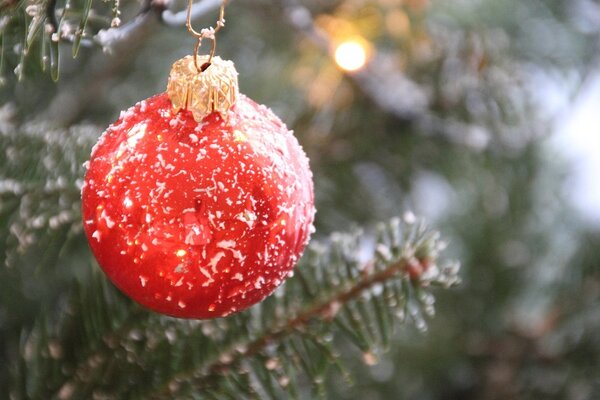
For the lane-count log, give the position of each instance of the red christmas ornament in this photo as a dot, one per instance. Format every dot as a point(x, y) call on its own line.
point(198, 203)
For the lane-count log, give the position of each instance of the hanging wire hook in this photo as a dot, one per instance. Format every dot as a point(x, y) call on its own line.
point(205, 33)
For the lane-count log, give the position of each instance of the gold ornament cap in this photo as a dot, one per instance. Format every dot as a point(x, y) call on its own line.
point(214, 88)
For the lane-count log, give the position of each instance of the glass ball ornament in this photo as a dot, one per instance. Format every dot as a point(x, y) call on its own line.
point(198, 202)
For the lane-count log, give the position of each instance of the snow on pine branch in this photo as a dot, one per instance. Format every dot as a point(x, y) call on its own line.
point(353, 289)
point(357, 285)
point(52, 23)
point(107, 38)
point(40, 179)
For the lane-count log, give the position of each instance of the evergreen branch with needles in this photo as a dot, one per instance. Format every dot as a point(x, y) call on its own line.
point(333, 294)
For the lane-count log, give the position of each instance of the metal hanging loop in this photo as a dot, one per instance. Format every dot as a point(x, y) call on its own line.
point(205, 33)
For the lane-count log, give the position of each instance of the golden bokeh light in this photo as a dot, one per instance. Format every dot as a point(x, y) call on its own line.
point(351, 55)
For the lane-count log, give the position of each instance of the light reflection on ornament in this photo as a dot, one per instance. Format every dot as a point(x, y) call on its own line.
point(351, 55)
point(127, 202)
point(135, 134)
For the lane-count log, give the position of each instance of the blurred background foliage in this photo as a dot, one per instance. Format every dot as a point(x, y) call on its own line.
point(450, 119)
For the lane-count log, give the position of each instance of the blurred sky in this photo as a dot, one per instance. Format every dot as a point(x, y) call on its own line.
point(578, 138)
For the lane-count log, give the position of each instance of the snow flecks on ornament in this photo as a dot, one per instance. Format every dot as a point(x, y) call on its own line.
point(197, 229)
point(106, 219)
point(212, 215)
point(259, 282)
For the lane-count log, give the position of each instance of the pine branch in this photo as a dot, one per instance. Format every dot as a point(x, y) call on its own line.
point(47, 28)
point(325, 310)
point(95, 341)
point(40, 173)
point(411, 267)
point(199, 10)
point(108, 38)
point(332, 293)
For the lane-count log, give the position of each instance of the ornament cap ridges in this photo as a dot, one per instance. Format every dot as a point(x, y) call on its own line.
point(203, 92)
